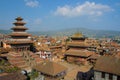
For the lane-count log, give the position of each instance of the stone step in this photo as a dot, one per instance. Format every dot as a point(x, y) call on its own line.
point(14, 53)
point(14, 57)
point(16, 62)
point(10, 54)
point(10, 57)
point(19, 59)
point(35, 56)
point(24, 66)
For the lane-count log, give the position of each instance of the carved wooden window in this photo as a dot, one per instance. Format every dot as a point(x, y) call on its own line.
point(103, 75)
point(118, 77)
point(110, 76)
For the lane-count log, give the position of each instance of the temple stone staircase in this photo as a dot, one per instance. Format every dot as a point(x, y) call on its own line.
point(24, 60)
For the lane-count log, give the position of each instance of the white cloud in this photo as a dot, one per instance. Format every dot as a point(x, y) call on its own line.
point(31, 3)
point(87, 8)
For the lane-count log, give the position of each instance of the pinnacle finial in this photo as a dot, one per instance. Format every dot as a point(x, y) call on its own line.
point(19, 18)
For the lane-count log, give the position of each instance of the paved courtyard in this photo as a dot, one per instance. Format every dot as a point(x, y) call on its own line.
point(73, 69)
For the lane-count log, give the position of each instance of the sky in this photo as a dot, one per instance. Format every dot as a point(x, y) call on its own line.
point(45, 15)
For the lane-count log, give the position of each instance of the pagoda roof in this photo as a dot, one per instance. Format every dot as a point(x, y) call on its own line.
point(19, 34)
point(19, 27)
point(82, 53)
point(54, 47)
point(78, 44)
point(19, 18)
point(50, 68)
point(19, 22)
point(77, 35)
point(20, 42)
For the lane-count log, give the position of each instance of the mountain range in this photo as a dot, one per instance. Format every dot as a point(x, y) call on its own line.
point(67, 32)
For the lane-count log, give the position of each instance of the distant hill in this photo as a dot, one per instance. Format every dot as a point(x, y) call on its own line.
point(86, 32)
point(68, 32)
point(4, 31)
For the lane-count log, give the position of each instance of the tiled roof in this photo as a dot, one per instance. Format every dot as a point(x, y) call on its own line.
point(77, 35)
point(109, 64)
point(94, 56)
point(19, 27)
point(83, 44)
point(43, 47)
point(19, 42)
point(82, 53)
point(19, 22)
point(50, 68)
point(54, 47)
point(19, 18)
point(20, 34)
point(13, 76)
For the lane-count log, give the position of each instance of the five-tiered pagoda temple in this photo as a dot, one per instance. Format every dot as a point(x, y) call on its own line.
point(19, 37)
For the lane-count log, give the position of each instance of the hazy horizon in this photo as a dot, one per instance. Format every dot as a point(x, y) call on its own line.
point(78, 29)
point(45, 15)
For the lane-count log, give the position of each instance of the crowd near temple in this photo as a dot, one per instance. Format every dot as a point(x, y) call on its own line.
point(30, 57)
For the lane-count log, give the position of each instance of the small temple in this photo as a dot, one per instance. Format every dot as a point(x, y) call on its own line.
point(51, 70)
point(19, 37)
